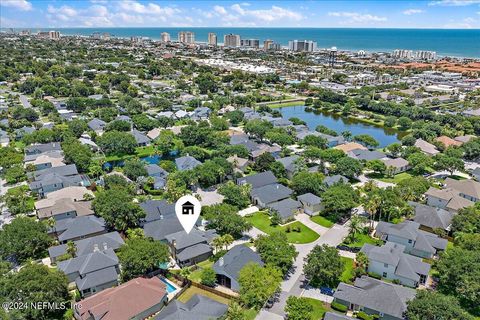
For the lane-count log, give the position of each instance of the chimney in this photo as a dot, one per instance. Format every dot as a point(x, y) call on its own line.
point(277, 186)
point(95, 247)
point(174, 242)
point(220, 261)
point(161, 216)
point(105, 247)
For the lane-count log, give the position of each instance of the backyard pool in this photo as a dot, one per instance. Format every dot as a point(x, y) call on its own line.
point(170, 287)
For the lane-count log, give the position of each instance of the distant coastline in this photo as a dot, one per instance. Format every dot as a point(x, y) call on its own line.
point(446, 42)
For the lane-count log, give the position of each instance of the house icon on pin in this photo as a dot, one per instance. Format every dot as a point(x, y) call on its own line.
point(187, 208)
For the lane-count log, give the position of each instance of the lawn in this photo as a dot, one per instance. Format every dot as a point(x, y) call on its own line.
point(261, 221)
point(250, 314)
point(321, 220)
point(361, 239)
point(286, 104)
point(184, 297)
point(348, 273)
point(396, 178)
point(196, 275)
point(319, 308)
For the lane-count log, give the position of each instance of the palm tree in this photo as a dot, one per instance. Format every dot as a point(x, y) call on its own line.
point(371, 206)
point(356, 226)
point(361, 262)
point(185, 272)
point(227, 240)
point(72, 249)
point(217, 243)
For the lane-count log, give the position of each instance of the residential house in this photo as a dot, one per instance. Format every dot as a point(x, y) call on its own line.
point(190, 248)
point(45, 160)
point(448, 199)
point(425, 147)
point(397, 165)
point(136, 299)
point(331, 180)
point(158, 174)
point(228, 267)
point(432, 218)
point(476, 173)
point(467, 189)
point(366, 155)
point(465, 139)
point(154, 133)
point(263, 196)
point(71, 229)
point(286, 208)
point(239, 164)
point(141, 139)
point(65, 208)
point(42, 148)
point(258, 180)
point(72, 193)
point(97, 125)
point(92, 272)
point(375, 297)
point(290, 164)
point(23, 131)
point(448, 142)
point(201, 113)
point(56, 178)
point(111, 240)
point(187, 163)
point(157, 210)
point(349, 146)
point(199, 307)
point(390, 262)
point(417, 242)
point(86, 140)
point(159, 229)
point(311, 203)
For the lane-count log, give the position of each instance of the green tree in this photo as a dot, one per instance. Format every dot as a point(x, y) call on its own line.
point(225, 220)
point(258, 128)
point(208, 277)
point(117, 143)
point(235, 312)
point(77, 127)
point(77, 153)
point(264, 162)
point(340, 199)
point(419, 162)
point(305, 182)
point(257, 284)
point(366, 140)
point(467, 220)
point(24, 238)
point(116, 207)
point(298, 308)
point(449, 163)
point(275, 250)
point(35, 283)
point(348, 167)
point(377, 166)
point(323, 266)
point(134, 169)
point(139, 256)
point(404, 123)
point(431, 305)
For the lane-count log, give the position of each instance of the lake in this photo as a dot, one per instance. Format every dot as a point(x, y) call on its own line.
point(384, 136)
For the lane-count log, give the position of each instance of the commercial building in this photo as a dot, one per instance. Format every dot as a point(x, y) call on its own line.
point(302, 45)
point(414, 55)
point(165, 36)
point(270, 45)
point(250, 43)
point(231, 40)
point(212, 39)
point(52, 35)
point(186, 37)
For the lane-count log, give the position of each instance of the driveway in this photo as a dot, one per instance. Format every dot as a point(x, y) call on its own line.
point(209, 197)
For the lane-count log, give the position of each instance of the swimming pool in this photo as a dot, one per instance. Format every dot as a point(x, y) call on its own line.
point(170, 288)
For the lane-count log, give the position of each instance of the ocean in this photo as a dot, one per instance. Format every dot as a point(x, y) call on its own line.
point(446, 42)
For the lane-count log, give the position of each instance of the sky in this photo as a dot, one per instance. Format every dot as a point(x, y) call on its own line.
point(446, 14)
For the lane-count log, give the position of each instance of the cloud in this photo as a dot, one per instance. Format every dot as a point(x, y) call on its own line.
point(267, 15)
point(150, 8)
point(409, 12)
point(453, 3)
point(355, 17)
point(467, 23)
point(22, 5)
point(219, 10)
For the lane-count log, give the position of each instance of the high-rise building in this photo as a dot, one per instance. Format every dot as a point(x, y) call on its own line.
point(231, 40)
point(54, 35)
point(165, 37)
point(414, 55)
point(186, 37)
point(212, 39)
point(250, 43)
point(302, 45)
point(270, 45)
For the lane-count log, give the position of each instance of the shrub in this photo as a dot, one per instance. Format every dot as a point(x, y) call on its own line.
point(375, 275)
point(339, 307)
point(208, 277)
point(364, 316)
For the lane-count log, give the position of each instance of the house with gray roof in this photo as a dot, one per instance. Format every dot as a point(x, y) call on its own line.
point(311, 203)
point(331, 180)
point(111, 240)
point(92, 272)
point(397, 165)
point(467, 189)
point(21, 132)
point(77, 228)
point(390, 262)
point(228, 267)
point(141, 139)
point(41, 148)
point(263, 196)
point(4, 138)
point(290, 165)
point(199, 307)
point(154, 170)
point(190, 248)
point(448, 199)
point(187, 163)
point(375, 297)
point(65, 208)
point(157, 210)
point(56, 178)
point(416, 241)
point(286, 208)
point(431, 218)
point(201, 113)
point(97, 125)
point(258, 180)
point(476, 173)
point(160, 228)
point(366, 155)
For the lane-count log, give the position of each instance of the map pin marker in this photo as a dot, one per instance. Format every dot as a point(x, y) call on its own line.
point(188, 210)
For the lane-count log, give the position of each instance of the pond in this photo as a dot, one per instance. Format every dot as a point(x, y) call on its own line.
point(384, 136)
